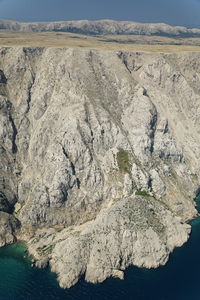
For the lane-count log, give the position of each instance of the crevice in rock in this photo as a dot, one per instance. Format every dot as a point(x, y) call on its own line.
point(150, 183)
point(64, 152)
point(2, 77)
point(124, 61)
point(71, 163)
point(73, 168)
point(153, 126)
point(4, 204)
point(78, 183)
point(145, 92)
point(14, 145)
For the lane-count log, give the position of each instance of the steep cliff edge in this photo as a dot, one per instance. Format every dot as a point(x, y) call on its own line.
point(99, 157)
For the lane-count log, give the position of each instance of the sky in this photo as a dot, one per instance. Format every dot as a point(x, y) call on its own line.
point(174, 12)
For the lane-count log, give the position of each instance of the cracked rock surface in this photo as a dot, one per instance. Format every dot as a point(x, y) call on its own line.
point(99, 157)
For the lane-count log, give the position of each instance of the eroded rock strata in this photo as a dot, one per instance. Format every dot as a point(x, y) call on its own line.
point(100, 157)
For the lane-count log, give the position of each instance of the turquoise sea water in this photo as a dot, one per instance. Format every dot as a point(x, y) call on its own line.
point(178, 280)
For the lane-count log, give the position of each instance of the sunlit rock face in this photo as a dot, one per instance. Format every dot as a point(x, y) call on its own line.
point(99, 157)
point(102, 27)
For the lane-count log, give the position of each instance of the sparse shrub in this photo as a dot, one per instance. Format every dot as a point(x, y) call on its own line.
point(142, 193)
point(123, 161)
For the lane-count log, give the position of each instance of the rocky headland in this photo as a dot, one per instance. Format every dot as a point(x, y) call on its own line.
point(99, 157)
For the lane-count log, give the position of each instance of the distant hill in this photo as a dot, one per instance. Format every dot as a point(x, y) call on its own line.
point(102, 27)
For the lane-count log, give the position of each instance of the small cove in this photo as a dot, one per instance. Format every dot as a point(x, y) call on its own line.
point(178, 280)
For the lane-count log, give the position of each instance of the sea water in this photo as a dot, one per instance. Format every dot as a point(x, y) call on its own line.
point(178, 280)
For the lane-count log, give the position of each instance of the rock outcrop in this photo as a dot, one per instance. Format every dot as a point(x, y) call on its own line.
point(102, 27)
point(99, 157)
point(9, 226)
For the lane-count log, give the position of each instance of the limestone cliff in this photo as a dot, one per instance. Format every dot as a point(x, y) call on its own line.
point(99, 157)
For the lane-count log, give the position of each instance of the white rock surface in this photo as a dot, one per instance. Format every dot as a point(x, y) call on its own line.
point(99, 156)
point(102, 27)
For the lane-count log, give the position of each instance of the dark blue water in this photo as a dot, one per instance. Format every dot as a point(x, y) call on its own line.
point(178, 280)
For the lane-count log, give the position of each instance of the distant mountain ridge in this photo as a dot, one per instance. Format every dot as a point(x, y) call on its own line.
point(102, 27)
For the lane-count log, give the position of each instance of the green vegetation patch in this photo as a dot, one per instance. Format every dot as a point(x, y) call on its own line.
point(142, 193)
point(173, 174)
point(123, 161)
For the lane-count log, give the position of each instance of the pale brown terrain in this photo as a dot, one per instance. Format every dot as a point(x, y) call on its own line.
point(105, 42)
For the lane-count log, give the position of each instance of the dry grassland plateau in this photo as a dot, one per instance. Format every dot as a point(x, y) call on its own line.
point(112, 42)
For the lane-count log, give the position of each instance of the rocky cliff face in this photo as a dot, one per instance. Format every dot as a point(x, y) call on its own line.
point(102, 27)
point(99, 157)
